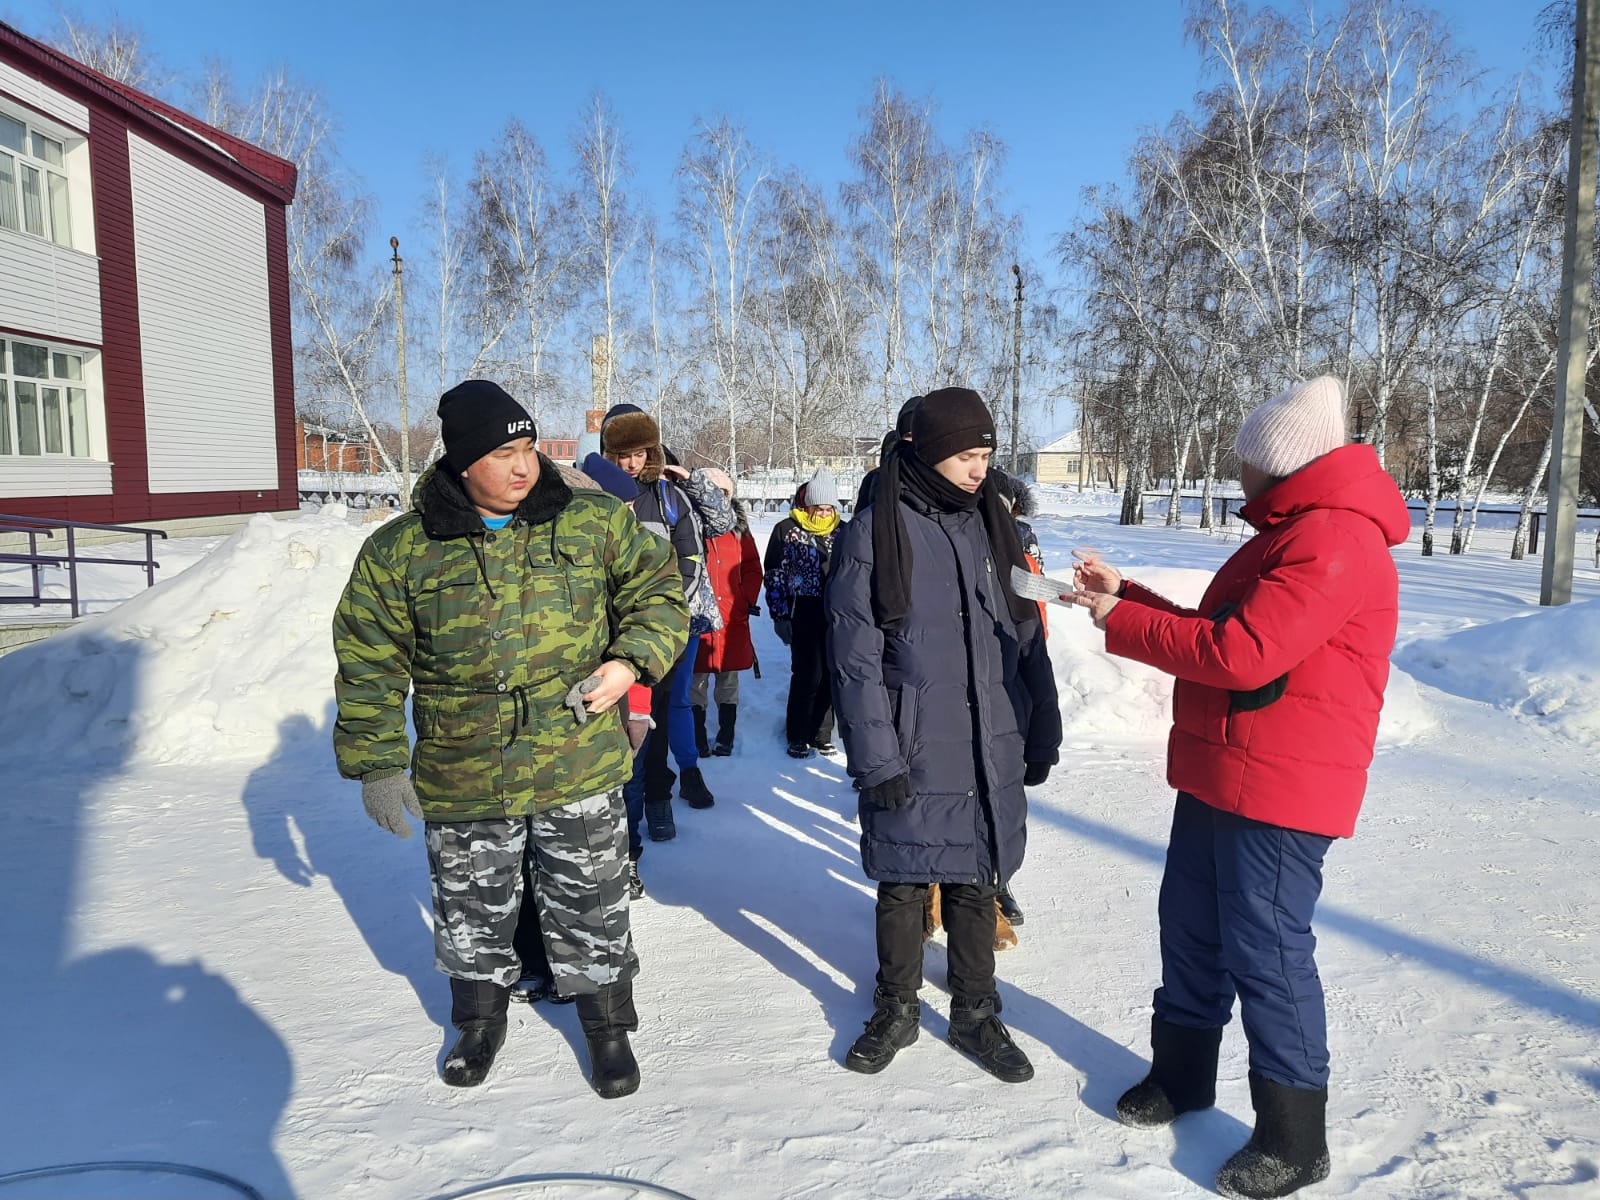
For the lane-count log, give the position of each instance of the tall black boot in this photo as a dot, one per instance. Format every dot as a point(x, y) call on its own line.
point(976, 1031)
point(1289, 1148)
point(607, 1017)
point(893, 1026)
point(701, 745)
point(727, 719)
point(478, 1010)
point(1182, 1078)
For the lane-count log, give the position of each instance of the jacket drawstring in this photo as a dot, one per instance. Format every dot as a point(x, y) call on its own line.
point(483, 567)
point(521, 714)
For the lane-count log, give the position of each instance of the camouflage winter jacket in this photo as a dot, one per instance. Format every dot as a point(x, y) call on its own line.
point(490, 628)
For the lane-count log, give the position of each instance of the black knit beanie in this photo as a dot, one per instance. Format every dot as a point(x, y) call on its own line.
point(478, 416)
point(949, 421)
point(902, 422)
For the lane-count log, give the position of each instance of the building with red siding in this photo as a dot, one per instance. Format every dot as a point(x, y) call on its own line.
point(145, 360)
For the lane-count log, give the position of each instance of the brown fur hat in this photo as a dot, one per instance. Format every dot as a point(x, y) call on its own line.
point(628, 432)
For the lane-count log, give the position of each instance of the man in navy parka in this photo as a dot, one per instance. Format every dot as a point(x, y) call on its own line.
point(947, 704)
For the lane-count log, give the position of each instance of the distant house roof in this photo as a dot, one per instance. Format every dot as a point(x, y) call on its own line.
point(1070, 442)
point(235, 156)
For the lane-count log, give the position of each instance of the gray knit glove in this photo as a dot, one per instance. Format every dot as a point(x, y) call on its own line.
point(388, 800)
point(575, 695)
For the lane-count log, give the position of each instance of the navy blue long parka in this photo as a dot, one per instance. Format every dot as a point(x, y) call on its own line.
point(962, 724)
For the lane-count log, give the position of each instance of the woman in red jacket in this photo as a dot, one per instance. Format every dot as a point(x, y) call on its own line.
point(733, 563)
point(1280, 677)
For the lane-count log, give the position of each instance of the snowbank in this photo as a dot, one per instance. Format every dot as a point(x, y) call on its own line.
point(207, 665)
point(1543, 665)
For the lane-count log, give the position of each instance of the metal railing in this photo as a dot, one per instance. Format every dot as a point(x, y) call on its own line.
point(37, 527)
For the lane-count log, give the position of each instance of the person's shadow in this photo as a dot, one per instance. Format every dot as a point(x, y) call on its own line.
point(123, 1054)
point(381, 880)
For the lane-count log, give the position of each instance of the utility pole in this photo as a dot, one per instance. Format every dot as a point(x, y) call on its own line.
point(1016, 370)
point(1577, 266)
point(400, 341)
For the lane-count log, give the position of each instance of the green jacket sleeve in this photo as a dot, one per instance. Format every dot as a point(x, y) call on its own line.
point(650, 618)
point(373, 640)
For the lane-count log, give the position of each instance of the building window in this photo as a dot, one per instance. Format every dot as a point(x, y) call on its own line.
point(1074, 465)
point(33, 182)
point(44, 401)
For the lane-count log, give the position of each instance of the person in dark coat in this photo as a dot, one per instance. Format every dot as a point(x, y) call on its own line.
point(799, 552)
point(948, 708)
point(1279, 684)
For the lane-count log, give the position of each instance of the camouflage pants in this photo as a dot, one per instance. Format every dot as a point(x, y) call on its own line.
point(575, 858)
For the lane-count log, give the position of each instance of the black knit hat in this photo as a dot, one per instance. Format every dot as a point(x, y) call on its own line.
point(478, 416)
point(902, 422)
point(949, 421)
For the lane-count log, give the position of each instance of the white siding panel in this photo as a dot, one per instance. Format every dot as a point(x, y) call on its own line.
point(21, 477)
point(46, 100)
point(205, 326)
point(48, 290)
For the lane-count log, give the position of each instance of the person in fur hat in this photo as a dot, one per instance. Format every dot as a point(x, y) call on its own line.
point(1280, 677)
point(733, 562)
point(632, 440)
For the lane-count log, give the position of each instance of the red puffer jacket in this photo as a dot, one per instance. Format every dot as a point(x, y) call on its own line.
point(734, 563)
point(1313, 598)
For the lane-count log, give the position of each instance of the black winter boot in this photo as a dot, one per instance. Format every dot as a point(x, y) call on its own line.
point(701, 745)
point(692, 787)
point(727, 719)
point(607, 1017)
point(1009, 908)
point(1182, 1078)
point(893, 1026)
point(978, 1033)
point(478, 1010)
point(1289, 1148)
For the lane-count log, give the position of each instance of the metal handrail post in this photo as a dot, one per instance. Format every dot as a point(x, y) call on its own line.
point(37, 568)
point(72, 569)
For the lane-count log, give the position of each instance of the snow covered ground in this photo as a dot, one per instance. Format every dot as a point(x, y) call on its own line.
point(213, 958)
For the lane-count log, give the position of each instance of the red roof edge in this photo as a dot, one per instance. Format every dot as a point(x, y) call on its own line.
point(274, 175)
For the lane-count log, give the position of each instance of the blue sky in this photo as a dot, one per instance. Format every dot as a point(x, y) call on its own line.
point(1068, 85)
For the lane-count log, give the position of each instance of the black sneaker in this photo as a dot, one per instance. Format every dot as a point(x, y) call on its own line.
point(692, 787)
point(800, 750)
point(979, 1034)
point(658, 820)
point(824, 747)
point(893, 1026)
point(635, 884)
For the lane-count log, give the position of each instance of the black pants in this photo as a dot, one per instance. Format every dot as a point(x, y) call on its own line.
point(968, 914)
point(810, 714)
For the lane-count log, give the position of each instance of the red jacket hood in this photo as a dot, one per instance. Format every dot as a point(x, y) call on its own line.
point(1349, 478)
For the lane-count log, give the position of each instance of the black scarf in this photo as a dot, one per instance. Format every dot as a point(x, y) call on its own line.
point(903, 473)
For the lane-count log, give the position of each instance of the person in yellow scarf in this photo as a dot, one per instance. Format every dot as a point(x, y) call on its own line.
point(796, 565)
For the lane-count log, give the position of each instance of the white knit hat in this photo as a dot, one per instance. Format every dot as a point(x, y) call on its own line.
point(1294, 427)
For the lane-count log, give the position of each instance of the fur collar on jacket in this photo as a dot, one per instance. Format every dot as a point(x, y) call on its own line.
point(448, 512)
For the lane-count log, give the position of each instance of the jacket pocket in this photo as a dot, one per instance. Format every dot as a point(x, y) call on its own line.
point(905, 720)
point(446, 611)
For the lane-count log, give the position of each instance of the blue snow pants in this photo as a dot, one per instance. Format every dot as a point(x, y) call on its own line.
point(633, 800)
point(680, 716)
point(1236, 903)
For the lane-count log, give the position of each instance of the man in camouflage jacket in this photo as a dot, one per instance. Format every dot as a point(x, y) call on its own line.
point(517, 611)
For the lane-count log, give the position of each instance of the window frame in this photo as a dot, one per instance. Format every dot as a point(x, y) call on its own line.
point(77, 410)
point(57, 196)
